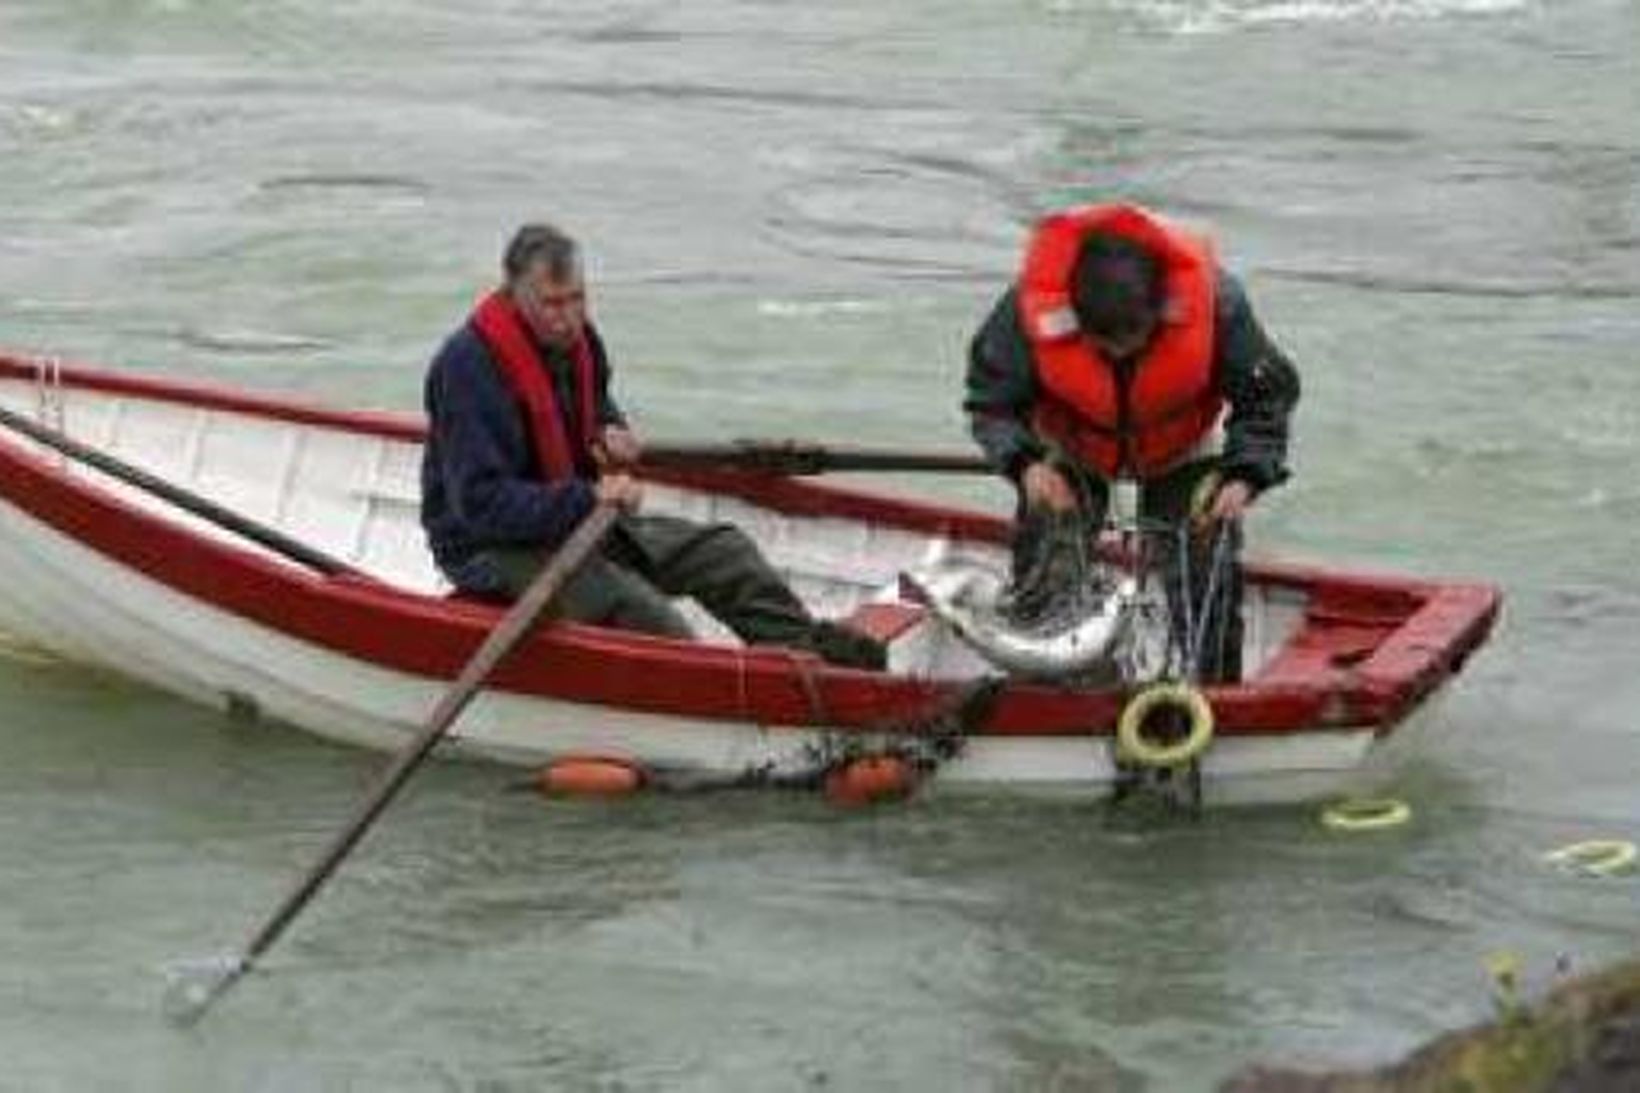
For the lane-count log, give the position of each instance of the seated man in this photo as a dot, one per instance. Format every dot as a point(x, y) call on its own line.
point(524, 439)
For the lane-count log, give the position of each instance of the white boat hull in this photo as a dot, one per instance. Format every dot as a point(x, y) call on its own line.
point(147, 631)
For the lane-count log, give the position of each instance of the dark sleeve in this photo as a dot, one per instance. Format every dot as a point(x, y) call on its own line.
point(1261, 385)
point(603, 400)
point(1001, 390)
point(485, 463)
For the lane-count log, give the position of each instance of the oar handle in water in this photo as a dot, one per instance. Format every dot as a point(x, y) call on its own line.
point(802, 457)
point(512, 628)
point(184, 499)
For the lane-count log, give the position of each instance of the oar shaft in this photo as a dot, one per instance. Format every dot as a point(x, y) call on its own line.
point(799, 457)
point(187, 500)
point(513, 627)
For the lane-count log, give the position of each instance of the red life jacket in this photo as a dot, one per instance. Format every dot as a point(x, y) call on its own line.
point(501, 326)
point(1169, 401)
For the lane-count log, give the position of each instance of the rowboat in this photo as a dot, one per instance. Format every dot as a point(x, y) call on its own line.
point(95, 567)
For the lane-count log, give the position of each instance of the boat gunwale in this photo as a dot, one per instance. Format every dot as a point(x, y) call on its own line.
point(431, 636)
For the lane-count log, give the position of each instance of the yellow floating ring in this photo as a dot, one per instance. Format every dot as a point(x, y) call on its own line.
point(1366, 814)
point(1133, 744)
point(1602, 857)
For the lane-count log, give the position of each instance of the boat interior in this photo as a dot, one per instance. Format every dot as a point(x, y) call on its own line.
point(349, 485)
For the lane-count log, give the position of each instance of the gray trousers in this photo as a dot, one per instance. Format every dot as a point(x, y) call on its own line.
point(647, 560)
point(1164, 505)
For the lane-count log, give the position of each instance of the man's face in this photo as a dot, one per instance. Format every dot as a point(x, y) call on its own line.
point(1127, 342)
point(555, 309)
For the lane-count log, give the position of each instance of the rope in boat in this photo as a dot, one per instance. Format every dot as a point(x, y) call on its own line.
point(1143, 764)
point(912, 746)
point(925, 740)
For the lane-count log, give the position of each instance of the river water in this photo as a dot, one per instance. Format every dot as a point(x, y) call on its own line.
point(795, 216)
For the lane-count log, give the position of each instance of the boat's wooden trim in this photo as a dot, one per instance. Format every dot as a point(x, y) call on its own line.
point(50, 370)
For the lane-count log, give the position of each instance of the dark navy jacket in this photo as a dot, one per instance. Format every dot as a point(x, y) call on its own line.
point(481, 485)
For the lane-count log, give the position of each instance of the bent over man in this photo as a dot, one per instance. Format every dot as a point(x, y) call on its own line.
point(525, 438)
point(1124, 351)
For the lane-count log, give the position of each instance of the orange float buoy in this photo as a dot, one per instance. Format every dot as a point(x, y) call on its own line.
point(870, 779)
point(588, 776)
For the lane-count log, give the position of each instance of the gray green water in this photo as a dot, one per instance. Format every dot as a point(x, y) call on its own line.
point(796, 213)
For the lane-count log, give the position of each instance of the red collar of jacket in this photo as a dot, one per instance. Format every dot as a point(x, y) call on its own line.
point(502, 327)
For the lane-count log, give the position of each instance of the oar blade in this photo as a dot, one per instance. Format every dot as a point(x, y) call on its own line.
point(191, 986)
point(193, 995)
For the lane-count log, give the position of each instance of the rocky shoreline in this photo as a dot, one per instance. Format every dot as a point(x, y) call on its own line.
point(1583, 1037)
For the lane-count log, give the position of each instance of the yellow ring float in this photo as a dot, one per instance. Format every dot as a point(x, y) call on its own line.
point(1366, 814)
point(1602, 857)
point(1131, 741)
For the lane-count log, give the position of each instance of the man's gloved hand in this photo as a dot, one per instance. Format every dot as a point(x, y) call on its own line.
point(617, 447)
point(1230, 501)
point(620, 489)
point(1045, 488)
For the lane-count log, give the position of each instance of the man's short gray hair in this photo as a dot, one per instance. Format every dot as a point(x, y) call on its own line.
point(541, 244)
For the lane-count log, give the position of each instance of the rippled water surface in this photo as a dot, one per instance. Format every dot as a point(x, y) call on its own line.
point(796, 214)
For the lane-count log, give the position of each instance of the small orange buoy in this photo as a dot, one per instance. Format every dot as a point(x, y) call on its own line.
point(869, 779)
point(588, 776)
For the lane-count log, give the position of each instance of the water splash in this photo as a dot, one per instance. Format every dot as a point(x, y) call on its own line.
point(191, 984)
point(1222, 16)
point(808, 309)
point(249, 341)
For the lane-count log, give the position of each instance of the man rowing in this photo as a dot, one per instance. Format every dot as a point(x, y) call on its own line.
point(525, 438)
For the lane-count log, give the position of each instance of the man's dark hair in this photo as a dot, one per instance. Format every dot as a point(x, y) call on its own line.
point(543, 244)
point(1116, 285)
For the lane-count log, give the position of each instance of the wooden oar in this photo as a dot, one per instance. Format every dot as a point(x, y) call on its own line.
point(188, 501)
point(802, 457)
point(189, 999)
